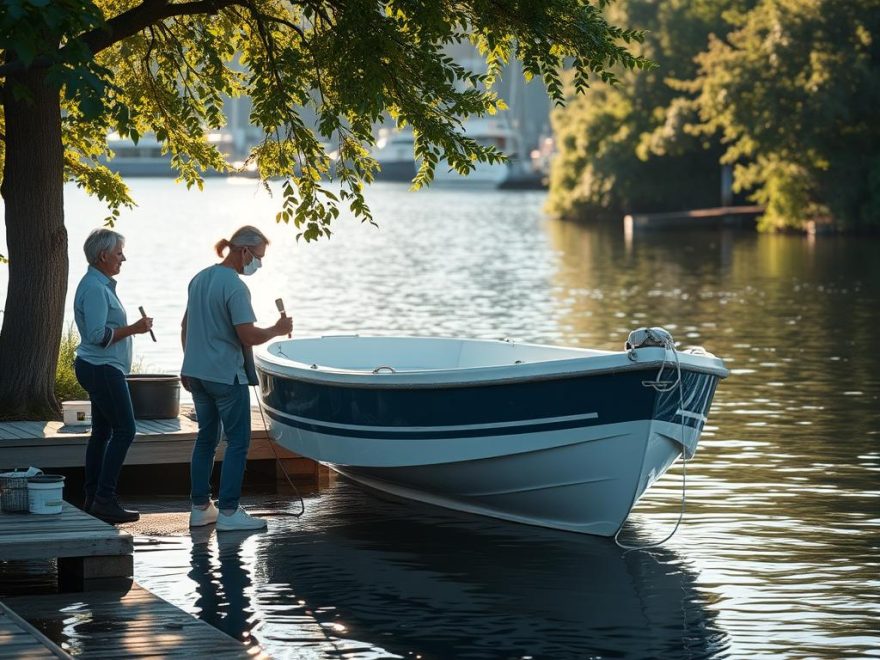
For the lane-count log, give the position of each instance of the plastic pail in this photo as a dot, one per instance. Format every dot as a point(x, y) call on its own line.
point(77, 413)
point(45, 493)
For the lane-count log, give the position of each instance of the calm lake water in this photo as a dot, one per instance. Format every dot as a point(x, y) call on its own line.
point(778, 552)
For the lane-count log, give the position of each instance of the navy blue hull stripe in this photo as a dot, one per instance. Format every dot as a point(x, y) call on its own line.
point(615, 398)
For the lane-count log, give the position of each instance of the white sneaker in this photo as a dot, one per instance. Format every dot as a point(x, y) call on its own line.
point(238, 520)
point(206, 516)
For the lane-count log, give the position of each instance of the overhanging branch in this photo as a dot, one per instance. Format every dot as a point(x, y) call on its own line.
point(149, 12)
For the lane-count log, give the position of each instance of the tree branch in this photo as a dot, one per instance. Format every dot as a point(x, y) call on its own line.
point(149, 12)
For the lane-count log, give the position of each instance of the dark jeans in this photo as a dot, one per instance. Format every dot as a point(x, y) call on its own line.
point(227, 408)
point(113, 426)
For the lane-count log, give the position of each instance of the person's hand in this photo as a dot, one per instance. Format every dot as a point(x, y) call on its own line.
point(284, 325)
point(184, 380)
point(142, 325)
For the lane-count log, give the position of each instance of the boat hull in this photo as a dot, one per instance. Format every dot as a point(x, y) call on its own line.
point(569, 451)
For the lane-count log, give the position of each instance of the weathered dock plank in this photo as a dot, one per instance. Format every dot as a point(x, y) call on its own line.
point(46, 445)
point(19, 639)
point(136, 623)
point(70, 533)
point(87, 549)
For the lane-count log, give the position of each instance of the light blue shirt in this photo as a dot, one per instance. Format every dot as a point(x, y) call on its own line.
point(97, 313)
point(218, 301)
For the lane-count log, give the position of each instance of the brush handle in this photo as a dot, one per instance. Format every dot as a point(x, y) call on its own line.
point(143, 315)
point(279, 304)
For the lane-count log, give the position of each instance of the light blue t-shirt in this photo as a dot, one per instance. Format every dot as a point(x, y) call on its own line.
point(218, 301)
point(97, 312)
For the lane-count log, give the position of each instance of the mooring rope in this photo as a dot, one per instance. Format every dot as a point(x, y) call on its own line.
point(664, 386)
point(279, 461)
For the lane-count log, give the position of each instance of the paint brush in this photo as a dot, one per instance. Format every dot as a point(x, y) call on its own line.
point(144, 315)
point(280, 305)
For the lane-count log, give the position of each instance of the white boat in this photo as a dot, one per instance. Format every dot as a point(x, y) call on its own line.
point(145, 158)
point(394, 152)
point(558, 437)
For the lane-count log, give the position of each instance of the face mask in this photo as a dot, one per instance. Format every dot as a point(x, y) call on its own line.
point(253, 266)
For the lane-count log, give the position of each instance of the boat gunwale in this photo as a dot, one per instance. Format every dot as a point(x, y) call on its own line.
point(487, 376)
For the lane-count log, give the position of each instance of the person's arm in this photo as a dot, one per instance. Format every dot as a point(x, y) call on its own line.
point(184, 380)
point(250, 335)
point(139, 327)
point(94, 313)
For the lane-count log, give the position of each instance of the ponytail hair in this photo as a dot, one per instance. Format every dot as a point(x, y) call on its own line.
point(246, 236)
point(221, 245)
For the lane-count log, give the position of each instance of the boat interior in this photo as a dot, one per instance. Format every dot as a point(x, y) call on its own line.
point(407, 354)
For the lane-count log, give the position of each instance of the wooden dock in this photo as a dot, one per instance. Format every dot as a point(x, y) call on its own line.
point(129, 624)
point(19, 639)
point(722, 216)
point(89, 551)
point(52, 445)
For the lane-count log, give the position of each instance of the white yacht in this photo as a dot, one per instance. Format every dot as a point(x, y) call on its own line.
point(394, 151)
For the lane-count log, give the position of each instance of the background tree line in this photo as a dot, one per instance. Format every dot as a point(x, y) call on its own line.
point(787, 92)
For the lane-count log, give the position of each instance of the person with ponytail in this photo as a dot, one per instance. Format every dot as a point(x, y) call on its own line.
point(218, 332)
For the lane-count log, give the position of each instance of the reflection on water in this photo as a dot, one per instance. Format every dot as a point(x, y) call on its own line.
point(777, 553)
point(367, 577)
point(222, 580)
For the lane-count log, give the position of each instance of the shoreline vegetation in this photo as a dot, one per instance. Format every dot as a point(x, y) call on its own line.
point(767, 102)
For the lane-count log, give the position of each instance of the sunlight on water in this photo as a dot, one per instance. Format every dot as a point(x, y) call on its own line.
point(777, 553)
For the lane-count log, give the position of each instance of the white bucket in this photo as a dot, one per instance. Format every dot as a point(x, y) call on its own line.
point(77, 413)
point(45, 493)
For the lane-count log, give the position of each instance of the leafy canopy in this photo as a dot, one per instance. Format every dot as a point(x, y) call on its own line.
point(785, 91)
point(793, 92)
point(316, 72)
point(624, 148)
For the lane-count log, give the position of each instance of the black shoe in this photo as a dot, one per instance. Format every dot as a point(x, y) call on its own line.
point(87, 503)
point(110, 511)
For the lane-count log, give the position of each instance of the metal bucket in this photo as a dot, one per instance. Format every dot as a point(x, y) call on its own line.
point(154, 396)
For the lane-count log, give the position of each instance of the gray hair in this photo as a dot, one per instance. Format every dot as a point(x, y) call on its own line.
point(101, 240)
point(247, 236)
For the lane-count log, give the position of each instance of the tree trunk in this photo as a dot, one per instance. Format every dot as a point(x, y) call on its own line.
point(33, 193)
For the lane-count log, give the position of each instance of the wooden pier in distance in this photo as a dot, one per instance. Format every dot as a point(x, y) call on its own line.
point(722, 216)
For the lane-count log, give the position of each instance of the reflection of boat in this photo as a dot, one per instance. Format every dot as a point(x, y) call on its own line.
point(437, 585)
point(394, 152)
point(557, 437)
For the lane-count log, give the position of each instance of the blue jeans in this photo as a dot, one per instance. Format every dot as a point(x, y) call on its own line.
point(113, 426)
point(230, 405)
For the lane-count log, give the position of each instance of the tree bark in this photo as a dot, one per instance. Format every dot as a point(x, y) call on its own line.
point(33, 193)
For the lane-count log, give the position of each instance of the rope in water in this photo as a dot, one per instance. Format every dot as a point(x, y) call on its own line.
point(280, 463)
point(663, 386)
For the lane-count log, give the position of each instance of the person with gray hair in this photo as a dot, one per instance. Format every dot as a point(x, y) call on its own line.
point(103, 359)
point(218, 334)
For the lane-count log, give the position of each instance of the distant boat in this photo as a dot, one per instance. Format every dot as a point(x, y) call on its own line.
point(557, 437)
point(141, 158)
point(394, 152)
point(144, 158)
